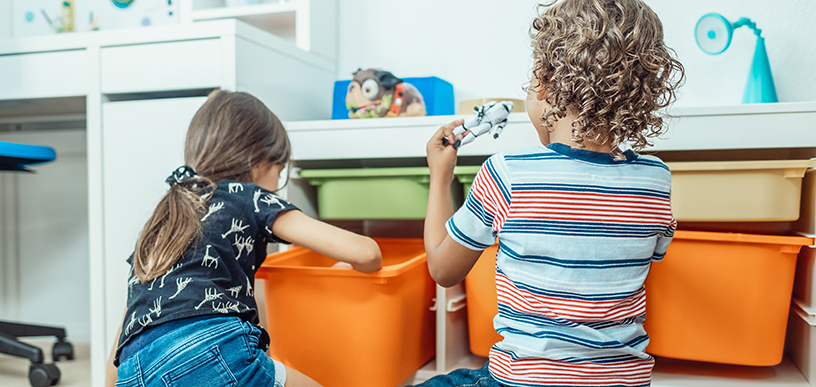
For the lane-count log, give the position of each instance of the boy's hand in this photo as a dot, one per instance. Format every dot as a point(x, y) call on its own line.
point(441, 155)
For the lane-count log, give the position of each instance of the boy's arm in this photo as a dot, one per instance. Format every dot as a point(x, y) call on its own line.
point(448, 261)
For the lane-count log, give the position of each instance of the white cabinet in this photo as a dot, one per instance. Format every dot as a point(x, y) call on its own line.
point(143, 144)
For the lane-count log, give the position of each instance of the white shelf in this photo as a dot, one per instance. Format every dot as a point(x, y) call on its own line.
point(246, 10)
point(674, 373)
point(311, 25)
point(280, 19)
point(692, 129)
point(679, 373)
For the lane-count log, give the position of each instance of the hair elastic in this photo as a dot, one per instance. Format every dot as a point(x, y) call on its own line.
point(180, 175)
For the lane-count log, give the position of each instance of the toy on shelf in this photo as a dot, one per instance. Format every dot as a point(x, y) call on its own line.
point(376, 93)
point(491, 117)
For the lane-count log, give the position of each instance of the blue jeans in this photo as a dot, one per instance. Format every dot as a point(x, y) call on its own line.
point(463, 378)
point(216, 352)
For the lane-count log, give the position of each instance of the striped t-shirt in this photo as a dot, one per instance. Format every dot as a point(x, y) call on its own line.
point(577, 234)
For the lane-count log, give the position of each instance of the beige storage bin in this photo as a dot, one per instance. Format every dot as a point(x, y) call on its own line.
point(737, 191)
point(801, 342)
point(804, 285)
point(807, 215)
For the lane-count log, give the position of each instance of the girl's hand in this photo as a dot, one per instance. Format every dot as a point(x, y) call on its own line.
point(442, 156)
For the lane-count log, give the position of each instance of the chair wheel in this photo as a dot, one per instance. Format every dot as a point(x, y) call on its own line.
point(63, 349)
point(43, 375)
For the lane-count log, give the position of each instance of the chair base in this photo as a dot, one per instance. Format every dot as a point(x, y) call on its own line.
point(39, 374)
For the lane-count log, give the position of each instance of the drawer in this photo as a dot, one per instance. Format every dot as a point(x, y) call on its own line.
point(193, 64)
point(44, 74)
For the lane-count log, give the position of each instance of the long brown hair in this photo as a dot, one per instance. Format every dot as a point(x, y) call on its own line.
point(228, 136)
point(606, 61)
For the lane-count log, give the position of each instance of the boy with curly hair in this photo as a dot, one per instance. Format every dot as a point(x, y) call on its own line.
point(580, 219)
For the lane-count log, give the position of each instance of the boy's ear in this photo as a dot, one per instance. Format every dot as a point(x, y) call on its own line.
point(387, 79)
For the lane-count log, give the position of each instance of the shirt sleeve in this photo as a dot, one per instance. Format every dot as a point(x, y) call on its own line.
point(477, 224)
point(267, 205)
point(663, 241)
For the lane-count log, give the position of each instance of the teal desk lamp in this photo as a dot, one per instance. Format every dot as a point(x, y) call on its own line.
point(713, 35)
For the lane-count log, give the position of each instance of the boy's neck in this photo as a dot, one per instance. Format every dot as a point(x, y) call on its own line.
point(563, 133)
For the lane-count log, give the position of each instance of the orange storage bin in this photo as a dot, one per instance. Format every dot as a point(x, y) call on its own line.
point(480, 289)
point(345, 328)
point(722, 297)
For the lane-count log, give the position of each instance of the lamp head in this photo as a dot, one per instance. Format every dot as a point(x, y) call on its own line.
point(713, 33)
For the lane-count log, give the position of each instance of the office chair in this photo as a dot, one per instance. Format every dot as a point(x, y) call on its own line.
point(16, 157)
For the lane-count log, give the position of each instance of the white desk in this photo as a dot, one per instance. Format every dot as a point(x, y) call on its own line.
point(137, 91)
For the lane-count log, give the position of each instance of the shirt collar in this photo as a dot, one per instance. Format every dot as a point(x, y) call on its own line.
point(591, 156)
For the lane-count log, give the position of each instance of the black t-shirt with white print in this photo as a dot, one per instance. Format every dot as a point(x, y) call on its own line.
point(215, 275)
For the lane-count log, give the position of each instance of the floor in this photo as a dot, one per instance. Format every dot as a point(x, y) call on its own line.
point(75, 373)
point(667, 373)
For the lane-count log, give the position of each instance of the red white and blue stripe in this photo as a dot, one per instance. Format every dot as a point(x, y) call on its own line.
point(577, 233)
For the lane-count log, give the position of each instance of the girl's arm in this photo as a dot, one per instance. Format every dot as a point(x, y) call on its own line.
point(361, 252)
point(110, 371)
point(448, 261)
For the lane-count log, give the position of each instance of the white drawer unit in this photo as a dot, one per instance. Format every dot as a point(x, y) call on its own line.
point(194, 64)
point(44, 74)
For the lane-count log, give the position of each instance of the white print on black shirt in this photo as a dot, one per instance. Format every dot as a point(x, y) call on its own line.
point(132, 281)
point(249, 288)
point(235, 290)
point(208, 259)
point(225, 308)
point(146, 319)
point(170, 270)
point(243, 243)
point(271, 199)
point(213, 209)
point(157, 307)
point(235, 187)
point(130, 324)
point(255, 197)
point(237, 226)
point(210, 294)
point(180, 284)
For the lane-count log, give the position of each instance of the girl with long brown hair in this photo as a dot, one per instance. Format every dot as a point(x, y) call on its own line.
point(192, 319)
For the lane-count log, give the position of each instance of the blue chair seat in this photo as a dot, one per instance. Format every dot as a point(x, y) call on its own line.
point(15, 157)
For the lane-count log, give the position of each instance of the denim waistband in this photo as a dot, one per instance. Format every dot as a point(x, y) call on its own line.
point(146, 337)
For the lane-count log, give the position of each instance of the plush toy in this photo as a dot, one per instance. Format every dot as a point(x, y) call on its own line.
point(376, 93)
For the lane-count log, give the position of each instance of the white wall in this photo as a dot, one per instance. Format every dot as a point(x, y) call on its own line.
point(488, 53)
point(5, 19)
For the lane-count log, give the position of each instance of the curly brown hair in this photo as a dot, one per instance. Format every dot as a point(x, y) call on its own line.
point(606, 62)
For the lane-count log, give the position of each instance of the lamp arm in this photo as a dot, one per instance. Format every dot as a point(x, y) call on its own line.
point(744, 21)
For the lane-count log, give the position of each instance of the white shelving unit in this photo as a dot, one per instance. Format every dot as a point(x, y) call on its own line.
point(310, 24)
point(722, 128)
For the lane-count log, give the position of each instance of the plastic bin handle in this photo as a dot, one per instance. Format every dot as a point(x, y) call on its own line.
point(454, 304)
point(794, 173)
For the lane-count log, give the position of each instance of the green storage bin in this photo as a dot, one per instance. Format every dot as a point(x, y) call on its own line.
point(370, 193)
point(466, 174)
